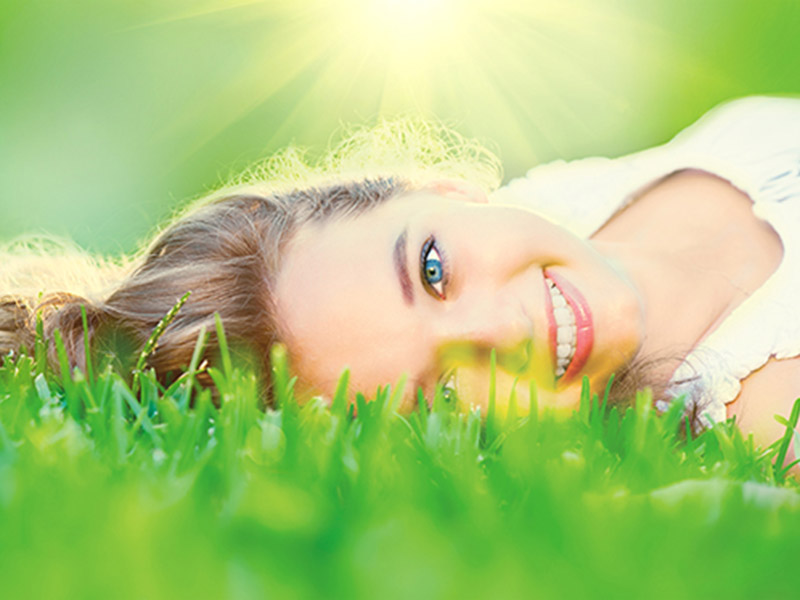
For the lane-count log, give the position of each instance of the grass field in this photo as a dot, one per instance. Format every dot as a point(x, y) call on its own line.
point(107, 493)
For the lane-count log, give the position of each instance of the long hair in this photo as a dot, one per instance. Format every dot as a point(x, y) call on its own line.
point(225, 250)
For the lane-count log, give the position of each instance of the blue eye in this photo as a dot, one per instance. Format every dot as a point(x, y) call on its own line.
point(433, 270)
point(432, 267)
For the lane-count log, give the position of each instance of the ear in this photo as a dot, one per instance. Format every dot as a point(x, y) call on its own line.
point(459, 189)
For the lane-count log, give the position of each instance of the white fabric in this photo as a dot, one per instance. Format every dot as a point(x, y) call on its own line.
point(755, 144)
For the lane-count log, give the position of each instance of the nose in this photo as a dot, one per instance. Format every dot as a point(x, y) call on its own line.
point(500, 303)
point(504, 242)
point(485, 320)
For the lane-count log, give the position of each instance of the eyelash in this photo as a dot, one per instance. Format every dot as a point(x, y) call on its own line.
point(447, 385)
point(428, 248)
point(445, 389)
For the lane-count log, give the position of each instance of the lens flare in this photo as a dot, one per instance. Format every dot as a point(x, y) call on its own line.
point(546, 78)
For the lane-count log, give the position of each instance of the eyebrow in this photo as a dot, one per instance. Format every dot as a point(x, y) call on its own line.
point(400, 262)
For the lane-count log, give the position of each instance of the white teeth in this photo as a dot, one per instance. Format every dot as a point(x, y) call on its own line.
point(566, 331)
point(558, 300)
point(562, 315)
point(565, 335)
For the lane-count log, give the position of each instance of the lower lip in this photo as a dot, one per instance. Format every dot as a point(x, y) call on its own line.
point(583, 322)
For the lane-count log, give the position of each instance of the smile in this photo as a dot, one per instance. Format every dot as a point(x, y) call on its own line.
point(570, 327)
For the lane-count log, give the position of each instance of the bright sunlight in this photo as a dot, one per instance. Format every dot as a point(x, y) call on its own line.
point(370, 58)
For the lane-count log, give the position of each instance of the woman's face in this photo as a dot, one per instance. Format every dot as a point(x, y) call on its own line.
point(430, 282)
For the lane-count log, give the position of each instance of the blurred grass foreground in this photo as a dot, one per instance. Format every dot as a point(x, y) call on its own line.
point(111, 490)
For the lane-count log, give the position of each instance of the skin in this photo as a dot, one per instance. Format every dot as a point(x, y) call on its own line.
point(770, 390)
point(341, 302)
point(690, 236)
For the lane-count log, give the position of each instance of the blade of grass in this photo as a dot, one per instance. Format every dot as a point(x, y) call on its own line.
point(197, 353)
point(281, 382)
point(70, 397)
point(42, 389)
point(422, 409)
point(606, 394)
point(491, 413)
point(533, 413)
point(512, 413)
point(339, 404)
point(87, 355)
point(150, 345)
point(139, 412)
point(783, 448)
point(222, 342)
point(40, 346)
point(585, 406)
point(396, 396)
point(119, 434)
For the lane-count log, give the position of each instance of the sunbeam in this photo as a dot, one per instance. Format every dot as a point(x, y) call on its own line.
point(525, 66)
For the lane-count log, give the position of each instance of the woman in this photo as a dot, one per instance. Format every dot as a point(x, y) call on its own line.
point(680, 258)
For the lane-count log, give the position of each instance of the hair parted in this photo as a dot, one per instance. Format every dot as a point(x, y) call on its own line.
point(225, 249)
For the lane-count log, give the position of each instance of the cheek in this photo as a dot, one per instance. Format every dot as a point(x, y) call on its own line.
point(474, 383)
point(622, 330)
point(371, 362)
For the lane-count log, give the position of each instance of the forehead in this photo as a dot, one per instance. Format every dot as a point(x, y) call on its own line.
point(339, 301)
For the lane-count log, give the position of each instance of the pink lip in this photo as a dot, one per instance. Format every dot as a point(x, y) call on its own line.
point(583, 321)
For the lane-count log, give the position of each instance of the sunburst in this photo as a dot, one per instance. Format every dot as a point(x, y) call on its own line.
point(533, 76)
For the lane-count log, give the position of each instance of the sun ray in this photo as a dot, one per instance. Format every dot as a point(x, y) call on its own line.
point(546, 68)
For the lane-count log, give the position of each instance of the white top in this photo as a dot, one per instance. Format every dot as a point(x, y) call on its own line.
point(754, 143)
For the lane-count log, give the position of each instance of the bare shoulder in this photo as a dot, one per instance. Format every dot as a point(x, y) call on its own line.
point(769, 391)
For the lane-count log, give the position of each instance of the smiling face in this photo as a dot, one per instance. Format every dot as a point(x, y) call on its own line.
point(430, 282)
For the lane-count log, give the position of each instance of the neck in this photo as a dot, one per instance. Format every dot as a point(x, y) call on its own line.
point(694, 250)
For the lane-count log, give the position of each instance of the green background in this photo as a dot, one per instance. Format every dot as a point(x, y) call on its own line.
point(114, 112)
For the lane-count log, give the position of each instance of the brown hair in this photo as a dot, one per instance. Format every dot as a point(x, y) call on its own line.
point(226, 254)
point(226, 251)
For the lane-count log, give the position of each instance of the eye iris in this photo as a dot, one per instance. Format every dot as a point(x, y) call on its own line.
point(433, 270)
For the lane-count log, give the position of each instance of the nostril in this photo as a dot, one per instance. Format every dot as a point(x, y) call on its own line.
point(516, 359)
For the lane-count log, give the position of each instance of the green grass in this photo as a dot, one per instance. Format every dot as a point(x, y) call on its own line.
point(107, 493)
